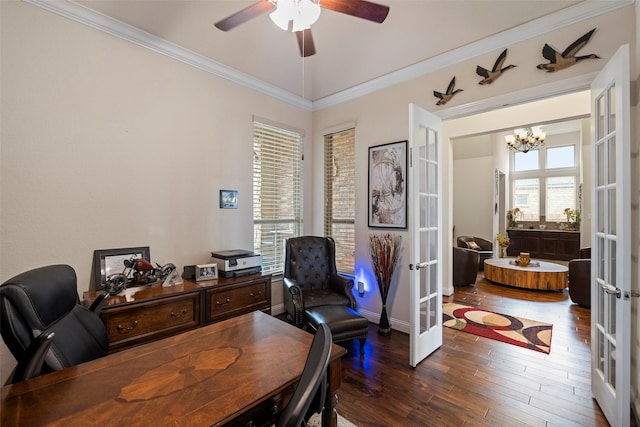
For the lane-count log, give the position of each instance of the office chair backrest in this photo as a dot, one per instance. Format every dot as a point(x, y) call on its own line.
point(46, 300)
point(312, 386)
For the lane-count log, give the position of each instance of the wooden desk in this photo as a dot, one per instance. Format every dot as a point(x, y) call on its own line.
point(546, 276)
point(233, 372)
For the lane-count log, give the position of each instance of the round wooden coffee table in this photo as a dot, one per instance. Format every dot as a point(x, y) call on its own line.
point(546, 276)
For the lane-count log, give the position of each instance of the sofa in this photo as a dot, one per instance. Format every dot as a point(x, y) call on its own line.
point(482, 246)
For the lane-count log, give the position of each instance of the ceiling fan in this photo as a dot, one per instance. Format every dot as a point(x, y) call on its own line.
point(298, 15)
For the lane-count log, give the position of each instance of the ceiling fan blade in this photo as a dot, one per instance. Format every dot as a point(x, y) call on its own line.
point(244, 15)
point(305, 43)
point(358, 8)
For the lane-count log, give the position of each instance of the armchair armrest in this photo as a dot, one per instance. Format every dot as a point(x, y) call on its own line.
point(343, 285)
point(293, 302)
point(32, 363)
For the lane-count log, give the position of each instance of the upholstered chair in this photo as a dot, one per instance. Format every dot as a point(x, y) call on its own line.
point(483, 246)
point(580, 278)
point(311, 278)
point(41, 308)
point(465, 266)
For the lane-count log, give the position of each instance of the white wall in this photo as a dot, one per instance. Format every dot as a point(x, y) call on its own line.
point(473, 191)
point(107, 145)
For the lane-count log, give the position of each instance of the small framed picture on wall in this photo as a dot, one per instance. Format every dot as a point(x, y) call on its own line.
point(228, 199)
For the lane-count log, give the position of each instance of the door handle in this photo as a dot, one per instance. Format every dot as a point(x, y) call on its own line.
point(420, 265)
point(612, 291)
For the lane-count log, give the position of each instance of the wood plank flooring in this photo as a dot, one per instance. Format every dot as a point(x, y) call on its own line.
point(475, 381)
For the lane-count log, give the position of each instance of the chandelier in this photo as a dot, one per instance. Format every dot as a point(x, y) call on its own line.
point(525, 139)
point(303, 13)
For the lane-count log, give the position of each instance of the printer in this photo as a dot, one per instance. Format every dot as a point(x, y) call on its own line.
point(237, 262)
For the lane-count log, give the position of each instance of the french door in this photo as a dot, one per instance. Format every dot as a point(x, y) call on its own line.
point(425, 233)
point(610, 240)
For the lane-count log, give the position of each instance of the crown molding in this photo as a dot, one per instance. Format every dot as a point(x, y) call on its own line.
point(531, 94)
point(141, 38)
point(571, 15)
point(579, 12)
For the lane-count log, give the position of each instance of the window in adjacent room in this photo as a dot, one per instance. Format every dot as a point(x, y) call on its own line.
point(339, 192)
point(545, 182)
point(277, 191)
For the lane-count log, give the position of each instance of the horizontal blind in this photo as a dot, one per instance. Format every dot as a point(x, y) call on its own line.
point(277, 192)
point(339, 190)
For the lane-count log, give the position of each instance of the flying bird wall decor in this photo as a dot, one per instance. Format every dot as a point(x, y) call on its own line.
point(446, 97)
point(559, 61)
point(496, 71)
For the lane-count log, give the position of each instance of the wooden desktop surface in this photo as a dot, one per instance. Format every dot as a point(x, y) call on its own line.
point(208, 376)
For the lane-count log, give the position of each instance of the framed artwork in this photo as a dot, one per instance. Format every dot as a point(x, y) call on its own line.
point(110, 261)
point(388, 185)
point(228, 199)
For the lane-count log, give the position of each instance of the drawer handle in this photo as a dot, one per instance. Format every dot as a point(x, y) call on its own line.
point(177, 316)
point(223, 303)
point(123, 329)
point(258, 295)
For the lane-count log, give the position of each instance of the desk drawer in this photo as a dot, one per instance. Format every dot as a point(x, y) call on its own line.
point(139, 323)
point(229, 302)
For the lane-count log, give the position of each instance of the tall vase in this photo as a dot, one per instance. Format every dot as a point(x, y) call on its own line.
point(503, 251)
point(385, 251)
point(384, 328)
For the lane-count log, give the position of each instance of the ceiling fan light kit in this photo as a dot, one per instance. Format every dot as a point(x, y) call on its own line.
point(301, 13)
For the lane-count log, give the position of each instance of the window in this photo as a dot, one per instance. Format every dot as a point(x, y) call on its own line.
point(527, 198)
point(561, 194)
point(545, 190)
point(339, 191)
point(561, 157)
point(277, 192)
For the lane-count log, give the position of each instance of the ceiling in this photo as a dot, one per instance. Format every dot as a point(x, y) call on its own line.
point(350, 51)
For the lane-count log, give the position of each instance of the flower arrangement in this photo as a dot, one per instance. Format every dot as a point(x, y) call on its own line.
point(503, 240)
point(513, 215)
point(573, 215)
point(385, 251)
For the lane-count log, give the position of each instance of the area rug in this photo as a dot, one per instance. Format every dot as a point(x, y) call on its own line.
point(316, 421)
point(501, 327)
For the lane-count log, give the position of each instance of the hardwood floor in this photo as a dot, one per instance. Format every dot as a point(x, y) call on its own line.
point(475, 381)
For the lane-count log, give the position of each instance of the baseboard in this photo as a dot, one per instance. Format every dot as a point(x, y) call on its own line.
point(398, 325)
point(277, 309)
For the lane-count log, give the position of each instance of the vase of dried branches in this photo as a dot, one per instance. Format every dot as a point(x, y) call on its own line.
point(385, 252)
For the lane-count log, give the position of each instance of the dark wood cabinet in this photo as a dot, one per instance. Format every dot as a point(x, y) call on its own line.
point(558, 245)
point(147, 313)
point(238, 298)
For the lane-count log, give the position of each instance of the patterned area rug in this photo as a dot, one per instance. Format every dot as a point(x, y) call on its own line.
point(316, 421)
point(501, 327)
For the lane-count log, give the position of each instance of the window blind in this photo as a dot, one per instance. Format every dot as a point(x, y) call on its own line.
point(277, 192)
point(339, 191)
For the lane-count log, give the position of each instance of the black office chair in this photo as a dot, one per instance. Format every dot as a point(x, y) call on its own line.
point(309, 396)
point(43, 324)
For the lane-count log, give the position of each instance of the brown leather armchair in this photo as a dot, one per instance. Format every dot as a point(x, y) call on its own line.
point(484, 247)
point(465, 266)
point(580, 278)
point(311, 278)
